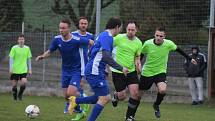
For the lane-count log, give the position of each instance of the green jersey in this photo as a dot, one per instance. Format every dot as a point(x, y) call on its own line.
point(156, 57)
point(125, 51)
point(20, 56)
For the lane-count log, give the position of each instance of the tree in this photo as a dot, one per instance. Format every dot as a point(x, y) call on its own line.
point(85, 8)
point(183, 19)
point(11, 15)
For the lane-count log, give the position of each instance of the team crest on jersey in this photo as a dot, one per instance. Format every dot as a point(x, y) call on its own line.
point(74, 83)
point(101, 83)
point(59, 45)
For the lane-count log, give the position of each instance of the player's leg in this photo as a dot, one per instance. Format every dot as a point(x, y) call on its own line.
point(133, 87)
point(160, 81)
point(85, 107)
point(73, 88)
point(192, 87)
point(120, 87)
point(78, 109)
point(102, 91)
point(65, 84)
point(100, 97)
point(23, 82)
point(199, 84)
point(14, 80)
point(145, 83)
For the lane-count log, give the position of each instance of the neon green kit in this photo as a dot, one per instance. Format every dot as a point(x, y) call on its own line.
point(125, 51)
point(156, 57)
point(20, 55)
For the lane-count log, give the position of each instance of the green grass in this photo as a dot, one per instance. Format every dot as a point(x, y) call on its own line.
point(52, 110)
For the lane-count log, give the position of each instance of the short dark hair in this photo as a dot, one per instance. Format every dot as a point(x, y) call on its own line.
point(133, 22)
point(67, 21)
point(113, 22)
point(82, 17)
point(21, 35)
point(161, 28)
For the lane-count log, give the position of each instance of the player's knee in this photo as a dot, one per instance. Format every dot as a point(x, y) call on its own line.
point(122, 95)
point(72, 91)
point(162, 91)
point(104, 100)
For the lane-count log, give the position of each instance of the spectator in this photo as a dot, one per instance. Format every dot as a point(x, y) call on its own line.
point(195, 75)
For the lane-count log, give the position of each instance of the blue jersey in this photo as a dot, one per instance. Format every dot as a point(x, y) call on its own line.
point(69, 51)
point(83, 49)
point(96, 66)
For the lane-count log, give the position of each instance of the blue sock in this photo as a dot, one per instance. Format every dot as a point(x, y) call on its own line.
point(87, 100)
point(95, 112)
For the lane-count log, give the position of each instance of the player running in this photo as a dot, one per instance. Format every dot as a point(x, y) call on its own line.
point(20, 66)
point(95, 70)
point(127, 53)
point(68, 45)
point(82, 32)
point(155, 66)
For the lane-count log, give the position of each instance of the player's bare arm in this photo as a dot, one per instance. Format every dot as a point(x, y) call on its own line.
point(180, 51)
point(44, 55)
point(138, 64)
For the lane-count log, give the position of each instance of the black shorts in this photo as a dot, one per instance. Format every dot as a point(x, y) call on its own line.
point(18, 76)
point(121, 81)
point(146, 82)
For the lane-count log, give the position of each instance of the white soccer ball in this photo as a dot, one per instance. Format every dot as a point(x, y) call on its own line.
point(32, 111)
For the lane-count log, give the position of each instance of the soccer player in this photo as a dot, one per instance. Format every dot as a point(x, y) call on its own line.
point(20, 66)
point(68, 45)
point(127, 53)
point(100, 55)
point(154, 69)
point(82, 32)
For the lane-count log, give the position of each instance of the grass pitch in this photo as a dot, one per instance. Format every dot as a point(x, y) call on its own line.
point(51, 109)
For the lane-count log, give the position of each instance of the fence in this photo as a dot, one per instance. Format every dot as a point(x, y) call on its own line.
point(185, 22)
point(50, 68)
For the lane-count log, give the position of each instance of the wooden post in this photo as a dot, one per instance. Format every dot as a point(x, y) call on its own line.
point(211, 64)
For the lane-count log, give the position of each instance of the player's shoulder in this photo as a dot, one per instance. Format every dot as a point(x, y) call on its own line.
point(58, 37)
point(120, 36)
point(138, 40)
point(26, 46)
point(75, 32)
point(168, 41)
point(149, 41)
point(14, 46)
point(88, 33)
point(74, 37)
point(105, 34)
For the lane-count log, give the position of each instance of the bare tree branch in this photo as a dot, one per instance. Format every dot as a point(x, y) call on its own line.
point(90, 10)
point(85, 8)
point(82, 7)
point(105, 4)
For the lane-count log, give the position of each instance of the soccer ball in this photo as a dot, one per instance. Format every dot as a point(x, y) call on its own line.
point(32, 111)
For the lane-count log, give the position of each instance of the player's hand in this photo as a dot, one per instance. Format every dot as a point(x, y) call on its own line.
point(91, 42)
point(193, 61)
point(138, 68)
point(30, 72)
point(40, 57)
point(125, 71)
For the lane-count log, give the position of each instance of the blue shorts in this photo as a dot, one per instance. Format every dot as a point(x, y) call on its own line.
point(73, 79)
point(98, 84)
